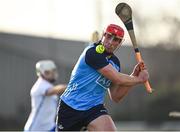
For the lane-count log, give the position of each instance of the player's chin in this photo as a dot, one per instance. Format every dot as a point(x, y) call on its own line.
point(109, 50)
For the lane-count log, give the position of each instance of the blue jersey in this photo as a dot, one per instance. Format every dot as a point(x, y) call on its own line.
point(87, 87)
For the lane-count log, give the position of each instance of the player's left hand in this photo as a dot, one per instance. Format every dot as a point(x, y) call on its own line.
point(138, 68)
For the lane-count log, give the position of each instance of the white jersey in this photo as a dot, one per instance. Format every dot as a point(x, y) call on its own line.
point(43, 108)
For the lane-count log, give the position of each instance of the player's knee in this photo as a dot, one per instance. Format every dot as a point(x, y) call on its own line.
point(102, 123)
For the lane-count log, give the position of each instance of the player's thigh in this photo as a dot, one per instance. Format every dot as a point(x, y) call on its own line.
point(102, 123)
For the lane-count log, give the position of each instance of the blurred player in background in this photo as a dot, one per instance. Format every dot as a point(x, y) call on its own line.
point(97, 71)
point(44, 98)
point(95, 37)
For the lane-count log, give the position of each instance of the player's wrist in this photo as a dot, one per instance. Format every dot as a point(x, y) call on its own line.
point(136, 79)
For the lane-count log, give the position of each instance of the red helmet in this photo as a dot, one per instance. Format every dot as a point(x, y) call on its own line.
point(116, 30)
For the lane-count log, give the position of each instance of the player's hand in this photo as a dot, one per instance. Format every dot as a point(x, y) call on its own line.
point(138, 68)
point(143, 76)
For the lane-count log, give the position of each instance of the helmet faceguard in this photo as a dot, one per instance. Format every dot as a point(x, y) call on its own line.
point(114, 34)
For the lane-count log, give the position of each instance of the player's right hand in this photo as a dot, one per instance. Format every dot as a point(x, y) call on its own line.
point(143, 76)
point(138, 68)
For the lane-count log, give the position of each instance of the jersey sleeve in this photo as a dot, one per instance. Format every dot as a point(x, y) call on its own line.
point(95, 60)
point(117, 62)
point(44, 88)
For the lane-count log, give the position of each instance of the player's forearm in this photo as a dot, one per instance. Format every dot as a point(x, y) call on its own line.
point(125, 80)
point(119, 78)
point(117, 93)
point(58, 89)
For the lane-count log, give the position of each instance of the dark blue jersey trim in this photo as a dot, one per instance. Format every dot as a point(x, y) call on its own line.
point(97, 60)
point(94, 59)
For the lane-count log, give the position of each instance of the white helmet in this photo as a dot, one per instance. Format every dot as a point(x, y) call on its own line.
point(44, 65)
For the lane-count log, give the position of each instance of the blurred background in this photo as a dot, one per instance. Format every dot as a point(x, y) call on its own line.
point(31, 30)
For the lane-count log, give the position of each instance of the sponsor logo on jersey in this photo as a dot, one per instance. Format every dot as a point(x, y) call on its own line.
point(103, 82)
